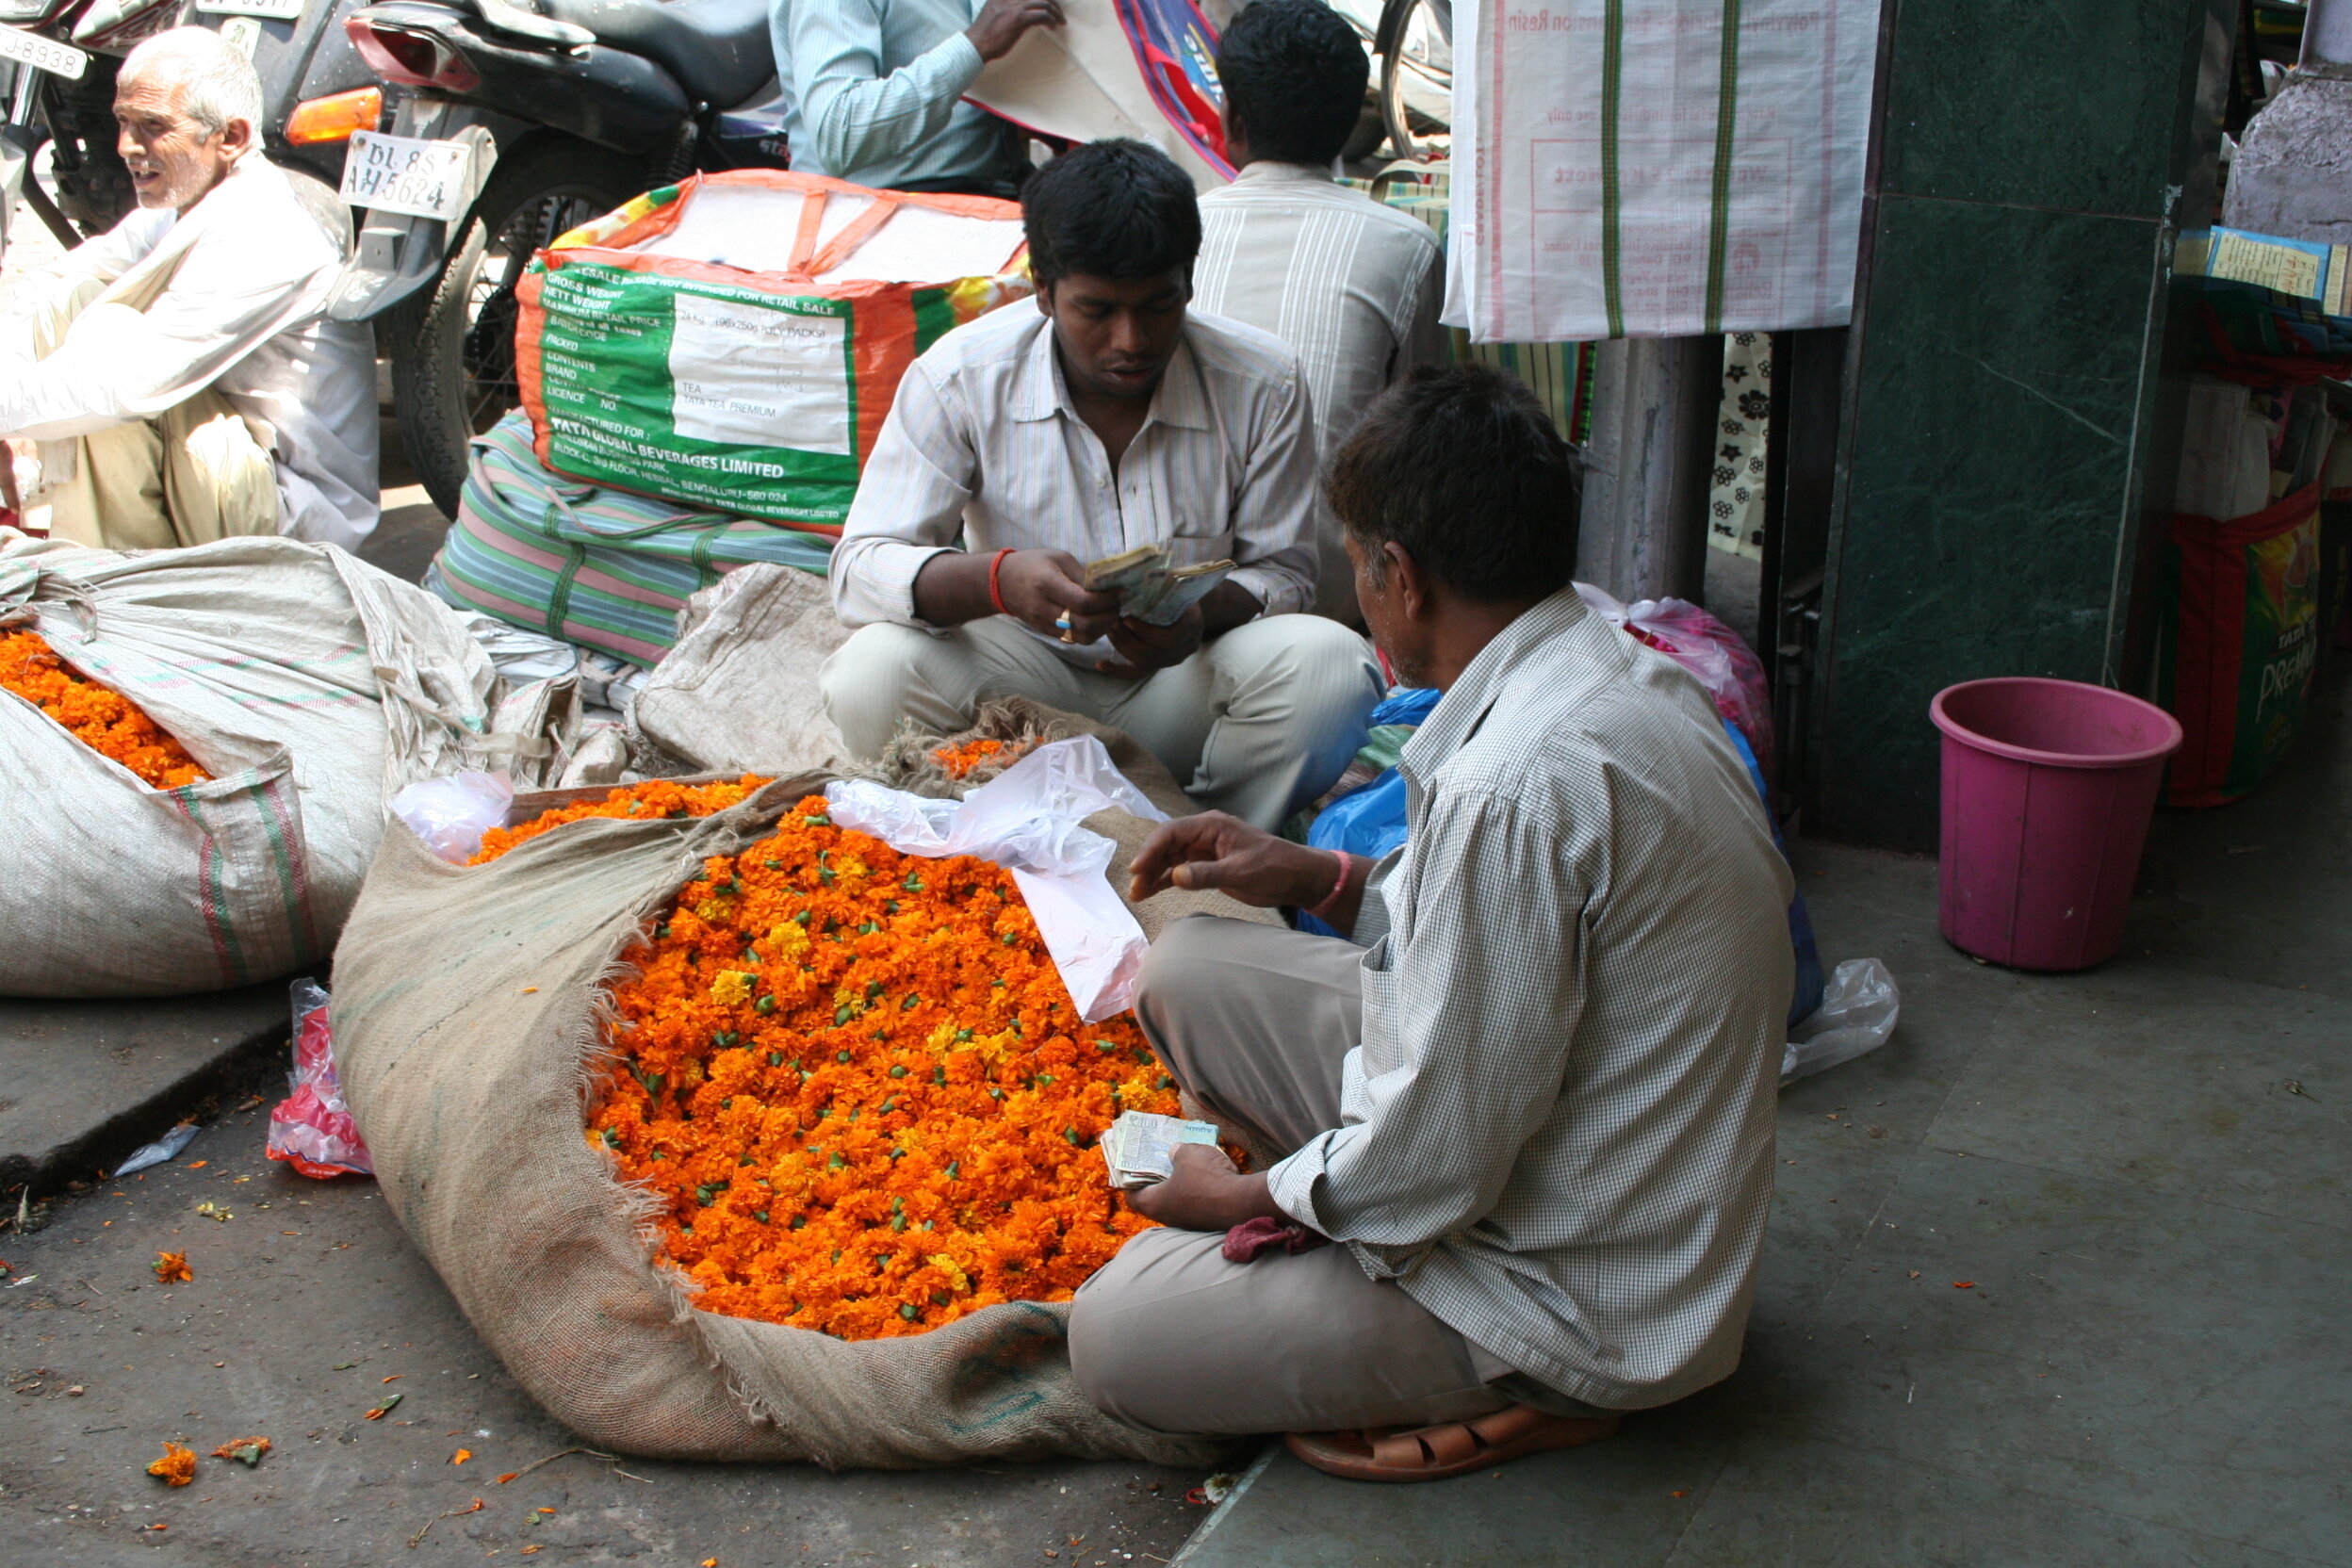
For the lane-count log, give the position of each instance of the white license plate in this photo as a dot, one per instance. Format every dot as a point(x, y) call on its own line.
point(407, 175)
point(58, 59)
point(276, 11)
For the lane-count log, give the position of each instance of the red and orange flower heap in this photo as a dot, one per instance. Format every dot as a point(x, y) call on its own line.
point(103, 720)
point(857, 1085)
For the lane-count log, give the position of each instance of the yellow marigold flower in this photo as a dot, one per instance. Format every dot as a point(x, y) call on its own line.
point(717, 909)
point(946, 1265)
point(732, 988)
point(786, 942)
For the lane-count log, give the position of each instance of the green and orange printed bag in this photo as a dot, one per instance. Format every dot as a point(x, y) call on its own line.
point(734, 341)
point(2242, 645)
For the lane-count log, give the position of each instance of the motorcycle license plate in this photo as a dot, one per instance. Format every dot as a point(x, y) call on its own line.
point(406, 174)
point(42, 54)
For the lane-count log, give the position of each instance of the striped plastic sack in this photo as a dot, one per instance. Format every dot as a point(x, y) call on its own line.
point(735, 341)
point(590, 564)
point(1649, 170)
point(308, 684)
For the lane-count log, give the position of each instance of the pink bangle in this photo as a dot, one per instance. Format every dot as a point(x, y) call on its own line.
point(1330, 900)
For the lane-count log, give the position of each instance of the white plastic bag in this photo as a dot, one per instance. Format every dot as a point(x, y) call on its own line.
point(451, 814)
point(1858, 1012)
point(1028, 819)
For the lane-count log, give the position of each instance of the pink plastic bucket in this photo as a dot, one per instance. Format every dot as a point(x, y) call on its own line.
point(2048, 788)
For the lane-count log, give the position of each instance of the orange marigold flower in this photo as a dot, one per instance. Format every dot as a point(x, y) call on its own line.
point(171, 1269)
point(960, 761)
point(177, 1467)
point(658, 798)
point(860, 1089)
point(103, 720)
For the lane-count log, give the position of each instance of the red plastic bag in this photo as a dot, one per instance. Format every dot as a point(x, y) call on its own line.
point(1725, 665)
point(311, 1129)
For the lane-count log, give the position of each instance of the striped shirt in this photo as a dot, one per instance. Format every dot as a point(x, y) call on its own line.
point(874, 92)
point(1352, 284)
point(983, 451)
point(1556, 1135)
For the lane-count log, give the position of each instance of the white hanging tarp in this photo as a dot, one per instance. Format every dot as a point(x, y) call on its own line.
point(1654, 169)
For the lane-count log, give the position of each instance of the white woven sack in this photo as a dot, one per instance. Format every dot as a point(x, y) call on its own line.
point(310, 686)
point(1640, 170)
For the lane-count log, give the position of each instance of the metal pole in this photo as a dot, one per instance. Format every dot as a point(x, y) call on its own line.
point(1642, 531)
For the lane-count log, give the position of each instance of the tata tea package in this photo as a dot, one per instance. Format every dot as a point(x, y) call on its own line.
point(734, 341)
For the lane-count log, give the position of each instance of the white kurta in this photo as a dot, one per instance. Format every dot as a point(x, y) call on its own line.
point(244, 313)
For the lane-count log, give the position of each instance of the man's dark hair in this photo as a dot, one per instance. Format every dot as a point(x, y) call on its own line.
point(1463, 467)
point(1111, 209)
point(1295, 72)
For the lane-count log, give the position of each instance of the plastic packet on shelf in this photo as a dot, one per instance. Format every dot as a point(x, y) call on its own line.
point(1858, 1012)
point(449, 815)
point(311, 1129)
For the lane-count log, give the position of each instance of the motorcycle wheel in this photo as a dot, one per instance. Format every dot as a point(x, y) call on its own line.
point(1417, 74)
point(452, 344)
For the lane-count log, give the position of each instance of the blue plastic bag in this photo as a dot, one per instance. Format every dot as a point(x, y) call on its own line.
point(1371, 823)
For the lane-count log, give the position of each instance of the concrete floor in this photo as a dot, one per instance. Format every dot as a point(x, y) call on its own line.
point(2147, 1365)
point(2139, 1175)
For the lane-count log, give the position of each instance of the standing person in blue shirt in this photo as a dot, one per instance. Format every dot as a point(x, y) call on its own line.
point(873, 90)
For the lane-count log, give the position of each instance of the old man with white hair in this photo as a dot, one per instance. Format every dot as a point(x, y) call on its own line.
point(179, 371)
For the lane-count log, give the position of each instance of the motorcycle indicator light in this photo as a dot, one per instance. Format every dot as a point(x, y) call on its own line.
point(334, 119)
point(417, 59)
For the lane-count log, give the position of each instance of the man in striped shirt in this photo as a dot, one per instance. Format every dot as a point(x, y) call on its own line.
point(1105, 417)
point(1351, 285)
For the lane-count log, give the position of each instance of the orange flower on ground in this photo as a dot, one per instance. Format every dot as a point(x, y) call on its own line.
point(246, 1450)
point(171, 1269)
point(177, 1467)
point(106, 721)
point(659, 799)
point(855, 1082)
point(460, 1456)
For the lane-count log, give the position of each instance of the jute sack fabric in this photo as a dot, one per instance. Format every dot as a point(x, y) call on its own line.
point(309, 685)
point(470, 1031)
point(739, 691)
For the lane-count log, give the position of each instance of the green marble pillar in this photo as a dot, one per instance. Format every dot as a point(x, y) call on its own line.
point(2005, 391)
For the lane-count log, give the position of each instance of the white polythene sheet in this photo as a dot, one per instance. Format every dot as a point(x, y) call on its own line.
point(754, 228)
point(1028, 819)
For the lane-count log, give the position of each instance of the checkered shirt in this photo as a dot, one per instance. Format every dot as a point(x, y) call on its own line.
point(1557, 1134)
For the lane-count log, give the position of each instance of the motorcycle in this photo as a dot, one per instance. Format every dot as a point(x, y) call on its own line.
point(510, 128)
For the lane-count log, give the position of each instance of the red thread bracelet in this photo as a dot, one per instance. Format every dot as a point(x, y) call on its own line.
point(1330, 900)
point(996, 596)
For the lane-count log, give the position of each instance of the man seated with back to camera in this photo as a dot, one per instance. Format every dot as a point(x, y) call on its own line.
point(1531, 1100)
point(1104, 418)
point(1349, 283)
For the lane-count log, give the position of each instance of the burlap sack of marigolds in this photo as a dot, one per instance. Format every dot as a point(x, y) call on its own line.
point(195, 750)
point(739, 1135)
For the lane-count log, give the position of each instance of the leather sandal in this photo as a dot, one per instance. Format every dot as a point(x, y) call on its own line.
point(1449, 1449)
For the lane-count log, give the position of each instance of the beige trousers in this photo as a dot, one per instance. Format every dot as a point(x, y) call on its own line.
point(194, 473)
point(1258, 723)
point(1171, 1337)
